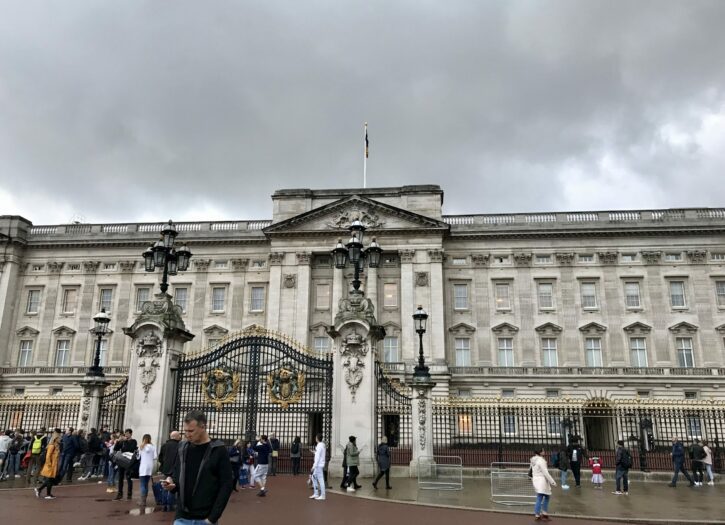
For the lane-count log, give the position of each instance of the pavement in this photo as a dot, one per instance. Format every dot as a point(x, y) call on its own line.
point(288, 501)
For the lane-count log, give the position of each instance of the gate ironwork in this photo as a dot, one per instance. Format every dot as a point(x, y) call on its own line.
point(393, 414)
point(258, 382)
point(113, 406)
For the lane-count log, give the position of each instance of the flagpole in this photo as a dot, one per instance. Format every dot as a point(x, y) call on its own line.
point(365, 159)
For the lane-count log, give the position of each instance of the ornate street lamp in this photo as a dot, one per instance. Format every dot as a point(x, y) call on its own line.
point(420, 318)
point(162, 254)
point(101, 319)
point(355, 252)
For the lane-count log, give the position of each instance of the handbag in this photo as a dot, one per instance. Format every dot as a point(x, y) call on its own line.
point(123, 459)
point(530, 474)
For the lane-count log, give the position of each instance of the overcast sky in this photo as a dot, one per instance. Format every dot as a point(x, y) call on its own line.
point(147, 110)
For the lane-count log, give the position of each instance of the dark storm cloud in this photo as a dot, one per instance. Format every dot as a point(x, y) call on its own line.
point(147, 110)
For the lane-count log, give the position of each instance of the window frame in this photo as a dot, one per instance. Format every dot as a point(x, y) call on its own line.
point(596, 352)
point(507, 352)
point(552, 305)
point(720, 293)
point(462, 351)
point(29, 303)
point(394, 297)
point(498, 299)
point(263, 298)
point(148, 290)
point(103, 304)
point(64, 300)
point(682, 352)
point(318, 296)
point(321, 348)
point(387, 349)
point(185, 306)
point(66, 352)
point(628, 306)
point(25, 355)
point(214, 305)
point(670, 284)
point(547, 350)
point(639, 351)
point(456, 297)
point(593, 284)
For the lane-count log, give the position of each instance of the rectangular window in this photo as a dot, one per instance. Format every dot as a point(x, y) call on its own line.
point(505, 351)
point(70, 297)
point(643, 393)
point(586, 258)
point(213, 343)
point(553, 425)
point(717, 256)
point(33, 302)
point(106, 299)
point(677, 294)
point(465, 393)
point(543, 259)
point(465, 423)
point(589, 294)
point(220, 264)
point(104, 352)
point(593, 347)
point(390, 350)
point(463, 351)
point(501, 259)
point(720, 293)
point(631, 294)
point(322, 296)
point(502, 296)
point(690, 395)
point(548, 350)
point(26, 353)
point(460, 296)
point(685, 356)
point(673, 257)
point(257, 300)
point(109, 267)
point(552, 393)
point(142, 295)
point(508, 392)
point(322, 344)
point(218, 296)
point(509, 424)
point(629, 257)
point(694, 427)
point(459, 261)
point(546, 296)
point(390, 295)
point(638, 352)
point(181, 298)
point(62, 352)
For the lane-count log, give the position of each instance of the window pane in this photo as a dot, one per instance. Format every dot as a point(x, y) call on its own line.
point(460, 292)
point(70, 297)
point(720, 291)
point(463, 351)
point(106, 299)
point(180, 297)
point(549, 357)
point(509, 424)
point(26, 353)
point(505, 351)
point(638, 352)
point(546, 295)
point(390, 350)
point(33, 302)
point(589, 295)
point(503, 298)
point(677, 294)
point(62, 352)
point(257, 303)
point(390, 294)
point(323, 296)
point(594, 352)
point(217, 299)
point(553, 425)
point(104, 352)
point(631, 294)
point(685, 356)
point(142, 295)
point(322, 344)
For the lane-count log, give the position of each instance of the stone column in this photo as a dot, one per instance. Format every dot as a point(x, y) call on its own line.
point(302, 310)
point(409, 350)
point(158, 338)
point(338, 283)
point(422, 412)
point(371, 287)
point(275, 290)
point(437, 322)
point(93, 390)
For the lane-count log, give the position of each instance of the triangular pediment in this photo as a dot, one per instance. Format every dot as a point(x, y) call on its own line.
point(548, 328)
point(505, 328)
point(337, 216)
point(215, 330)
point(27, 331)
point(683, 328)
point(64, 331)
point(721, 328)
point(593, 328)
point(462, 328)
point(637, 328)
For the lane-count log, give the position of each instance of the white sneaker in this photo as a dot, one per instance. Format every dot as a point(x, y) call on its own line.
point(314, 496)
point(37, 493)
point(565, 487)
point(350, 489)
point(711, 483)
point(321, 498)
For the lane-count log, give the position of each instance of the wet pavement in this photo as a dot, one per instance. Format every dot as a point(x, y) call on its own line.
point(288, 502)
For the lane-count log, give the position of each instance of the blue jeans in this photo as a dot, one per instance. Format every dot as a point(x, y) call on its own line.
point(542, 503)
point(13, 464)
point(680, 467)
point(66, 466)
point(563, 474)
point(182, 521)
point(622, 474)
point(111, 479)
point(144, 485)
point(318, 482)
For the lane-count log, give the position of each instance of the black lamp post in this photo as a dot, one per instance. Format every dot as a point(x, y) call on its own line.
point(355, 253)
point(162, 254)
point(421, 372)
point(101, 319)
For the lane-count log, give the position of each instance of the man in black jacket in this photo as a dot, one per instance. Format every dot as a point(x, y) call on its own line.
point(202, 477)
point(125, 444)
point(167, 461)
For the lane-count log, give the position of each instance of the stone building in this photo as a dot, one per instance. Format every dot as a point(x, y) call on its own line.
point(606, 305)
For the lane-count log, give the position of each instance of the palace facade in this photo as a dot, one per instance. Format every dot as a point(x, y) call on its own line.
point(607, 305)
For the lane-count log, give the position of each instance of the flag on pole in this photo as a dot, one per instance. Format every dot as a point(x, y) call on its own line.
point(367, 143)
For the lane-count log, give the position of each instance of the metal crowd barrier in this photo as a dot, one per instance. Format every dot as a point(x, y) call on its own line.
point(440, 473)
point(511, 485)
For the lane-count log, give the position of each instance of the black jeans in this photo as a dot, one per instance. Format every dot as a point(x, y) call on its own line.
point(235, 472)
point(680, 467)
point(48, 485)
point(295, 466)
point(343, 483)
point(352, 475)
point(382, 473)
point(697, 473)
point(576, 470)
point(124, 474)
point(622, 474)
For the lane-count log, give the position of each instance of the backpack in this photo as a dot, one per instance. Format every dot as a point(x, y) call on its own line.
point(295, 448)
point(698, 452)
point(626, 459)
point(37, 445)
point(555, 459)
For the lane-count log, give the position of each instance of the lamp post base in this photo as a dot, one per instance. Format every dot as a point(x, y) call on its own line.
point(95, 371)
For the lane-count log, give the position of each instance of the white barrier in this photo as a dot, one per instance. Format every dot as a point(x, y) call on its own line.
point(440, 473)
point(511, 485)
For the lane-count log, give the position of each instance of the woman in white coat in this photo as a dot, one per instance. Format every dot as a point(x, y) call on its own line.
point(543, 482)
point(148, 455)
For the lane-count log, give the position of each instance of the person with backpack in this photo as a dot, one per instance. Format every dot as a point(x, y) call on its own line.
point(697, 454)
point(576, 454)
point(13, 460)
point(623, 462)
point(38, 446)
point(678, 461)
point(295, 453)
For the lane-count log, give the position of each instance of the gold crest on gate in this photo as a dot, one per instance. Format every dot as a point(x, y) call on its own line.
point(286, 385)
point(220, 386)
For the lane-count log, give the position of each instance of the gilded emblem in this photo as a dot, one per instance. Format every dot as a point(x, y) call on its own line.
point(286, 386)
point(220, 386)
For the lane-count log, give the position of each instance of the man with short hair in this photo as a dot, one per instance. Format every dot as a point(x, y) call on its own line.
point(697, 454)
point(202, 477)
point(263, 450)
point(678, 461)
point(69, 446)
point(5, 441)
point(168, 457)
point(318, 466)
point(576, 456)
point(274, 443)
point(123, 445)
point(623, 462)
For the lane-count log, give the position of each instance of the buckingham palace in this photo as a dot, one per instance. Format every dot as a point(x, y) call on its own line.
point(595, 306)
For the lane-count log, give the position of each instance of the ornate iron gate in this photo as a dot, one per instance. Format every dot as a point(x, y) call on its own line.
point(393, 417)
point(113, 406)
point(258, 382)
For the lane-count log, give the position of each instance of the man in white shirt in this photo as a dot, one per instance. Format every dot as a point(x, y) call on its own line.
point(318, 481)
point(5, 441)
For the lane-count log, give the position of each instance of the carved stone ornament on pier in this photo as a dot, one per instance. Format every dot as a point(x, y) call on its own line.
point(422, 416)
point(436, 256)
point(161, 311)
point(148, 371)
point(407, 256)
point(55, 266)
point(353, 351)
point(239, 265)
point(480, 260)
point(608, 257)
point(290, 280)
point(523, 259)
point(652, 257)
point(127, 266)
point(276, 258)
point(355, 306)
point(201, 265)
point(697, 256)
point(421, 278)
point(365, 215)
point(91, 266)
point(565, 258)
